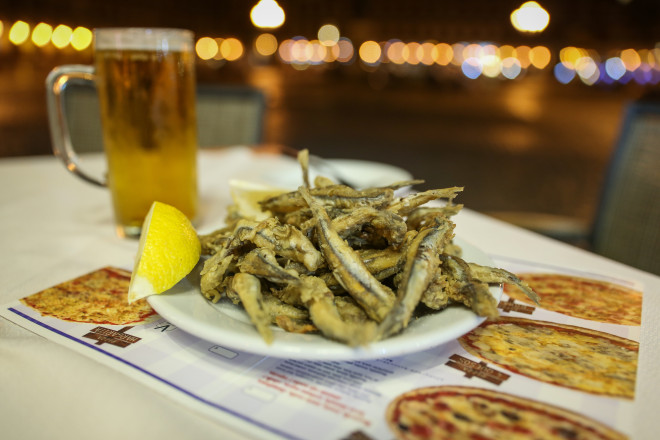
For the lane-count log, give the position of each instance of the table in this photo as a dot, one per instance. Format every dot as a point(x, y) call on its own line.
point(54, 227)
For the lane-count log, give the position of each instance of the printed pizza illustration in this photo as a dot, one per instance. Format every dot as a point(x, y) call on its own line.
point(456, 412)
point(98, 297)
point(564, 355)
point(582, 298)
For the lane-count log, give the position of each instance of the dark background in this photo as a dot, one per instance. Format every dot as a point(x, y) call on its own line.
point(531, 144)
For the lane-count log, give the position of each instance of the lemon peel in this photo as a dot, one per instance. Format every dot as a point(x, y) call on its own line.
point(169, 249)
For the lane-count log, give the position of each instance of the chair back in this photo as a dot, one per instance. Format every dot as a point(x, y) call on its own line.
point(627, 226)
point(226, 115)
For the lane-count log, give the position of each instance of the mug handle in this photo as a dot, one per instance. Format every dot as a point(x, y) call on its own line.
point(56, 83)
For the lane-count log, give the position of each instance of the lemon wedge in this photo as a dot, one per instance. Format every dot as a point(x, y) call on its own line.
point(247, 195)
point(168, 250)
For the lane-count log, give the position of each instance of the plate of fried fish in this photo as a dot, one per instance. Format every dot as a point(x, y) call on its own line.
point(330, 272)
point(228, 325)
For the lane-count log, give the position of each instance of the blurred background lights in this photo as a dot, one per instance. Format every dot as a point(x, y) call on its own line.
point(539, 57)
point(1, 28)
point(370, 52)
point(443, 53)
point(328, 34)
point(563, 74)
point(530, 17)
point(511, 68)
point(19, 32)
point(615, 68)
point(267, 14)
point(471, 68)
point(206, 48)
point(41, 34)
point(631, 59)
point(62, 36)
point(81, 38)
point(231, 49)
point(265, 44)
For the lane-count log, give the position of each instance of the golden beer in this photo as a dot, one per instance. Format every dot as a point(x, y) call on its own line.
point(147, 102)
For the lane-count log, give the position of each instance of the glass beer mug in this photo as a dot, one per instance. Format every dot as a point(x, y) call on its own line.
point(145, 79)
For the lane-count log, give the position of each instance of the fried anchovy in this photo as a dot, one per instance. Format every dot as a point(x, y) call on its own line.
point(262, 263)
point(420, 266)
point(384, 224)
point(424, 216)
point(405, 205)
point(487, 274)
point(324, 314)
point(285, 240)
point(463, 287)
point(435, 296)
point(347, 266)
point(338, 196)
point(248, 288)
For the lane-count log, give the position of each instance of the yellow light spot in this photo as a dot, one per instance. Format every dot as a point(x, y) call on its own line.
point(267, 14)
point(285, 51)
point(491, 66)
point(522, 54)
point(457, 59)
point(62, 36)
point(328, 34)
point(370, 52)
point(540, 57)
point(425, 53)
point(631, 59)
point(443, 53)
point(265, 44)
point(81, 38)
point(206, 48)
point(530, 17)
point(395, 52)
point(231, 49)
point(410, 53)
point(19, 33)
point(41, 34)
point(1, 28)
point(570, 55)
point(506, 51)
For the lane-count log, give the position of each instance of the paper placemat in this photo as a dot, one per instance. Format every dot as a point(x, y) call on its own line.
point(495, 367)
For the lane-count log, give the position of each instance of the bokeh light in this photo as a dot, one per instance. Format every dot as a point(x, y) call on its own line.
point(267, 14)
point(206, 48)
point(328, 34)
point(19, 32)
point(539, 57)
point(443, 54)
point(231, 49)
point(472, 68)
point(81, 38)
point(265, 44)
point(615, 68)
point(631, 59)
point(41, 34)
point(563, 74)
point(62, 36)
point(370, 52)
point(511, 68)
point(530, 17)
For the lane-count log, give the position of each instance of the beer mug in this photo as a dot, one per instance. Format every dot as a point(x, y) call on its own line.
point(145, 80)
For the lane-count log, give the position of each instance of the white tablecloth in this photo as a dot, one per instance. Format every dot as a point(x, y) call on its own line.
point(54, 227)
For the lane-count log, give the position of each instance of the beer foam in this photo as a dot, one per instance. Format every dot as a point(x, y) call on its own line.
point(157, 39)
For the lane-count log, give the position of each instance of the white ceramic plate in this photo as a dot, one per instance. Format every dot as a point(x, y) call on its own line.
point(229, 326)
point(359, 173)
